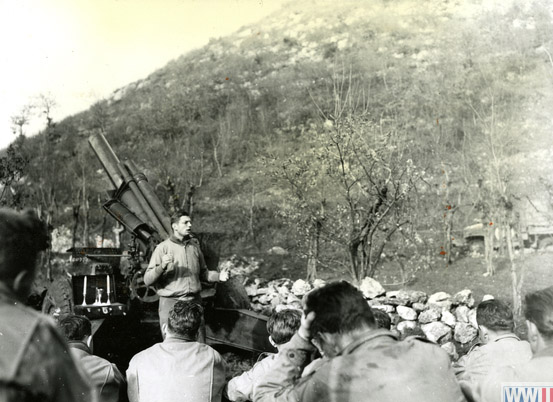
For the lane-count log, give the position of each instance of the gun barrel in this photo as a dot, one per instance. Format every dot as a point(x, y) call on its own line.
point(107, 158)
point(150, 196)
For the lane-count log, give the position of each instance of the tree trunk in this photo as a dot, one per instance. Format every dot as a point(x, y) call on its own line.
point(516, 283)
point(313, 252)
point(251, 220)
point(76, 209)
point(188, 201)
point(488, 249)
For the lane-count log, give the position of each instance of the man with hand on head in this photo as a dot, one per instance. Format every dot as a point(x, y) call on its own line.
point(35, 364)
point(179, 368)
point(177, 268)
point(363, 363)
point(105, 377)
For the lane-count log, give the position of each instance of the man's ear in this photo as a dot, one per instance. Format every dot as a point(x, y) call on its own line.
point(533, 333)
point(484, 333)
point(164, 329)
point(22, 283)
point(272, 342)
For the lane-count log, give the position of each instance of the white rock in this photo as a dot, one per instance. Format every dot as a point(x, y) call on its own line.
point(300, 287)
point(472, 318)
point(407, 313)
point(438, 297)
point(461, 313)
point(418, 307)
point(464, 297)
point(430, 315)
point(384, 307)
point(277, 251)
point(487, 297)
point(251, 290)
point(403, 326)
point(448, 318)
point(437, 332)
point(464, 332)
point(371, 288)
point(440, 300)
point(318, 283)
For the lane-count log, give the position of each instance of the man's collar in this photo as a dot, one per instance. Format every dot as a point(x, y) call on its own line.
point(184, 241)
point(79, 345)
point(506, 336)
point(367, 336)
point(178, 338)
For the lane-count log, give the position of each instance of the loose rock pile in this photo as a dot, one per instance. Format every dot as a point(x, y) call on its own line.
point(447, 320)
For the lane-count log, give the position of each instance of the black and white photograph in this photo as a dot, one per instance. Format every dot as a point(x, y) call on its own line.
point(272, 200)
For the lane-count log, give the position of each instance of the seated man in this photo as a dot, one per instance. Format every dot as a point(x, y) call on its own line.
point(363, 363)
point(539, 369)
point(281, 326)
point(35, 364)
point(105, 376)
point(179, 368)
point(499, 346)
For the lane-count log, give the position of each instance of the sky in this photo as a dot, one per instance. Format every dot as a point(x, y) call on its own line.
point(77, 52)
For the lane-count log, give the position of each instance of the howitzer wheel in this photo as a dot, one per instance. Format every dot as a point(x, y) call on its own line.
point(141, 291)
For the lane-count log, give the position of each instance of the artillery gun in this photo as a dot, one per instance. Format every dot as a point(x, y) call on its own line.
point(108, 282)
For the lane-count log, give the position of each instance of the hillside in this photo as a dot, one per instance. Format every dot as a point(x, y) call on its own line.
point(462, 87)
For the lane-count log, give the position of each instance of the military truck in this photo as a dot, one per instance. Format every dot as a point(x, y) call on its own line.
point(108, 282)
point(535, 225)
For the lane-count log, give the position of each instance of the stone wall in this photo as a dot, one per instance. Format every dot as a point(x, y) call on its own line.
point(448, 320)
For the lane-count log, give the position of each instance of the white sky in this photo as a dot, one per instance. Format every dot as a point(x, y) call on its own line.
point(79, 51)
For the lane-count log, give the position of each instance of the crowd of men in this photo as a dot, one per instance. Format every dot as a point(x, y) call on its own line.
point(337, 349)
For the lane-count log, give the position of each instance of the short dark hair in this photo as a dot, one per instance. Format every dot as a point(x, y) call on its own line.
point(283, 325)
point(338, 307)
point(75, 327)
point(185, 318)
point(495, 315)
point(382, 319)
point(539, 310)
point(23, 237)
point(175, 216)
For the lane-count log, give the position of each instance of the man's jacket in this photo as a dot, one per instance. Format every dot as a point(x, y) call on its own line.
point(185, 274)
point(104, 376)
point(539, 369)
point(375, 367)
point(176, 370)
point(35, 363)
point(472, 368)
point(241, 388)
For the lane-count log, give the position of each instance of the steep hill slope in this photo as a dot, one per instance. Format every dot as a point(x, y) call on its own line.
point(452, 77)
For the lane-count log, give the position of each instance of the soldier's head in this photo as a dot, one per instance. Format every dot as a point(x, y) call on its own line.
point(76, 328)
point(340, 311)
point(181, 224)
point(184, 320)
point(22, 237)
point(283, 325)
point(494, 318)
point(539, 318)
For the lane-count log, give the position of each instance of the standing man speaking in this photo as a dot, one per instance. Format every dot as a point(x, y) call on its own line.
point(177, 268)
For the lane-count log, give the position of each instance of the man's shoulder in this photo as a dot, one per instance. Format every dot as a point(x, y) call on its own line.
point(145, 354)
